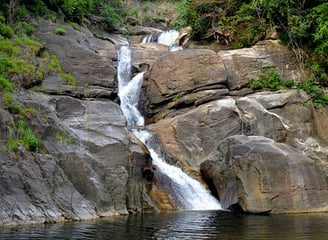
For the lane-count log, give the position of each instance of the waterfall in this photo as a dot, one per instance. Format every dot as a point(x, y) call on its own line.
point(187, 191)
point(167, 38)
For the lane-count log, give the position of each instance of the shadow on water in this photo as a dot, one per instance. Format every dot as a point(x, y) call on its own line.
point(181, 225)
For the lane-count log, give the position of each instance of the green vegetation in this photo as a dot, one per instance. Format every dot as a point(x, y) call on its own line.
point(268, 78)
point(113, 11)
point(316, 92)
point(22, 134)
point(23, 63)
point(63, 138)
point(60, 31)
point(299, 24)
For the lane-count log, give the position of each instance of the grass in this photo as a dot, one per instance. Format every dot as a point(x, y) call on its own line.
point(63, 138)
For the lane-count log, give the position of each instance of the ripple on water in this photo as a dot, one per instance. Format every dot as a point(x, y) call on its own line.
point(181, 225)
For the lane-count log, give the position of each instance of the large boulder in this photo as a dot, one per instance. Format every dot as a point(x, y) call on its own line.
point(88, 59)
point(92, 167)
point(257, 175)
point(245, 64)
point(190, 137)
point(145, 54)
point(179, 79)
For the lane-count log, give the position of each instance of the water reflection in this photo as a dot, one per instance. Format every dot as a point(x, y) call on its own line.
point(181, 225)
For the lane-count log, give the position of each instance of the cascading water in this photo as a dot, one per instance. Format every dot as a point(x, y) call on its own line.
point(190, 193)
point(167, 38)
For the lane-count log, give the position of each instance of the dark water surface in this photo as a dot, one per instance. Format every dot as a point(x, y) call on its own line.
point(181, 225)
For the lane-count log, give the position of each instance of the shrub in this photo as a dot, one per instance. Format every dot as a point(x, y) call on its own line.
point(316, 92)
point(5, 84)
point(267, 78)
point(10, 103)
point(289, 83)
point(6, 31)
point(8, 49)
point(22, 28)
point(60, 31)
point(5, 65)
point(27, 137)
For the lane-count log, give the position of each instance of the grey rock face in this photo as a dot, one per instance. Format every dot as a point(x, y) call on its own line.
point(93, 166)
point(88, 59)
point(259, 175)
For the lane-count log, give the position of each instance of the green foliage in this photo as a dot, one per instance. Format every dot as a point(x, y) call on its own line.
point(319, 18)
point(289, 83)
point(316, 92)
point(6, 31)
point(74, 25)
point(114, 18)
point(135, 11)
point(10, 103)
point(24, 28)
point(5, 64)
point(191, 15)
point(69, 78)
point(12, 144)
point(21, 13)
point(147, 6)
point(60, 31)
point(5, 84)
point(267, 78)
point(183, 8)
point(27, 137)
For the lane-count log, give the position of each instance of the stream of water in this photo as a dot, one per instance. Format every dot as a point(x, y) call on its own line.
point(189, 193)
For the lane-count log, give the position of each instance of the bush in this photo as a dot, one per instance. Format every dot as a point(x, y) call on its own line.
point(60, 31)
point(27, 137)
point(5, 84)
point(22, 28)
point(267, 78)
point(5, 65)
point(6, 31)
point(316, 92)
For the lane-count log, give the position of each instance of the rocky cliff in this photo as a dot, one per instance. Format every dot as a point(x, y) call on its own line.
point(258, 152)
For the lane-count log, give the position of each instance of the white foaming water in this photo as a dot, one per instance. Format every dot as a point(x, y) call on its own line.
point(129, 95)
point(124, 67)
point(167, 38)
point(190, 192)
